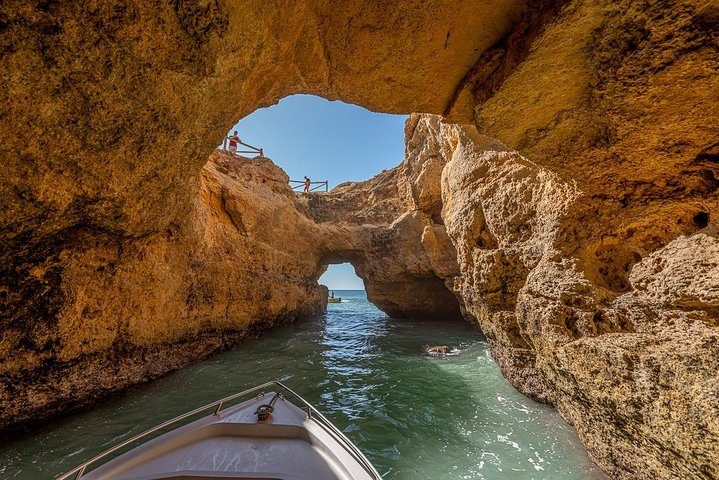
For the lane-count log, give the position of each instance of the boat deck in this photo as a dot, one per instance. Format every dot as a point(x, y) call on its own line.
point(235, 445)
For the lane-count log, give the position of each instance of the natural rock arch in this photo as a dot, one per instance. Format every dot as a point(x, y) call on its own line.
point(136, 94)
point(112, 111)
point(113, 108)
point(398, 276)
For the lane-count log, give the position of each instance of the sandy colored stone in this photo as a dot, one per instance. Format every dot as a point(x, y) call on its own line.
point(626, 349)
point(669, 275)
point(582, 241)
point(396, 248)
point(111, 110)
point(633, 371)
point(215, 277)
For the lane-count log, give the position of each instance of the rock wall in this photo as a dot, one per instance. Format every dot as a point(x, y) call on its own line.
point(585, 248)
point(133, 309)
point(110, 241)
point(111, 109)
point(377, 226)
point(635, 371)
point(623, 111)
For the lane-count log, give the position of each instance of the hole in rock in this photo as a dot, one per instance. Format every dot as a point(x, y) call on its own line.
point(701, 220)
point(324, 140)
point(340, 277)
point(410, 295)
point(335, 142)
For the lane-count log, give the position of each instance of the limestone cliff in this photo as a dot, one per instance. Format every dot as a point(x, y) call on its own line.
point(586, 248)
point(130, 309)
point(636, 371)
point(377, 227)
point(110, 110)
point(626, 342)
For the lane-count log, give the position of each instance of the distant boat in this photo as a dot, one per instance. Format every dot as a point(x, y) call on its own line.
point(266, 437)
point(334, 300)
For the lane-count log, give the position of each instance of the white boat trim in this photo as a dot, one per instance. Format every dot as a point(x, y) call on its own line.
point(312, 414)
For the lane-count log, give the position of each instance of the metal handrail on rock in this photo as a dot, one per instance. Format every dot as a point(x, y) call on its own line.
point(295, 184)
point(252, 148)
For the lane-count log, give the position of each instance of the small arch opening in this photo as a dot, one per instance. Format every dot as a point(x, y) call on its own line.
point(339, 277)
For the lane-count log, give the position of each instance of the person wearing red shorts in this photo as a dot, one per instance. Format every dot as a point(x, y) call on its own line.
point(234, 140)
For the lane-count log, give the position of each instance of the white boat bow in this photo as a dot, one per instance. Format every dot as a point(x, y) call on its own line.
point(265, 437)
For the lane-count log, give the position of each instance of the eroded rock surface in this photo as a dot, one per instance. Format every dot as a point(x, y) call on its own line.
point(110, 110)
point(132, 309)
point(390, 242)
point(623, 110)
point(584, 245)
point(635, 371)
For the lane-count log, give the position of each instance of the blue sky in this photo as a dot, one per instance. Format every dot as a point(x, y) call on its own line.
point(341, 277)
point(334, 141)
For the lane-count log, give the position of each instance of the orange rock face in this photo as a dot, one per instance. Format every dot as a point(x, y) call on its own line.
point(133, 309)
point(110, 112)
point(584, 244)
point(630, 370)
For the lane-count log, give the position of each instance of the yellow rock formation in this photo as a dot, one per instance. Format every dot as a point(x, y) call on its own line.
point(584, 244)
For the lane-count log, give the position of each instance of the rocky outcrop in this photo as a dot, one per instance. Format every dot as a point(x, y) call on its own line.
point(630, 124)
point(132, 309)
point(584, 244)
point(377, 227)
point(110, 112)
point(635, 371)
point(113, 107)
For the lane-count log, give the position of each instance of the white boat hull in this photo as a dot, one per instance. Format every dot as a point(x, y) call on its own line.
point(234, 444)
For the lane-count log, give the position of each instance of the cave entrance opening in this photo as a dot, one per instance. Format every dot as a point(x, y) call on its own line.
point(326, 141)
point(401, 295)
point(341, 277)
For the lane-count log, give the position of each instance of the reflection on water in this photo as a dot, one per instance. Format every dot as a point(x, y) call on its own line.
point(415, 416)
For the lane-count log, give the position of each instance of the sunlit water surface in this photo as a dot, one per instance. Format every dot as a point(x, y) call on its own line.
point(414, 416)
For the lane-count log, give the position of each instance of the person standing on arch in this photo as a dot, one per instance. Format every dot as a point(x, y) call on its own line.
point(307, 184)
point(234, 140)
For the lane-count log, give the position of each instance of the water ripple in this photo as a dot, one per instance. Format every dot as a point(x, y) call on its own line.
point(414, 415)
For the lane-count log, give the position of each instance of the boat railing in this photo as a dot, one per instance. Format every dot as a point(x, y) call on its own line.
point(316, 415)
point(312, 414)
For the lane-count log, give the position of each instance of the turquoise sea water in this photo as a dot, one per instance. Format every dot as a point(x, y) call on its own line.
point(415, 416)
